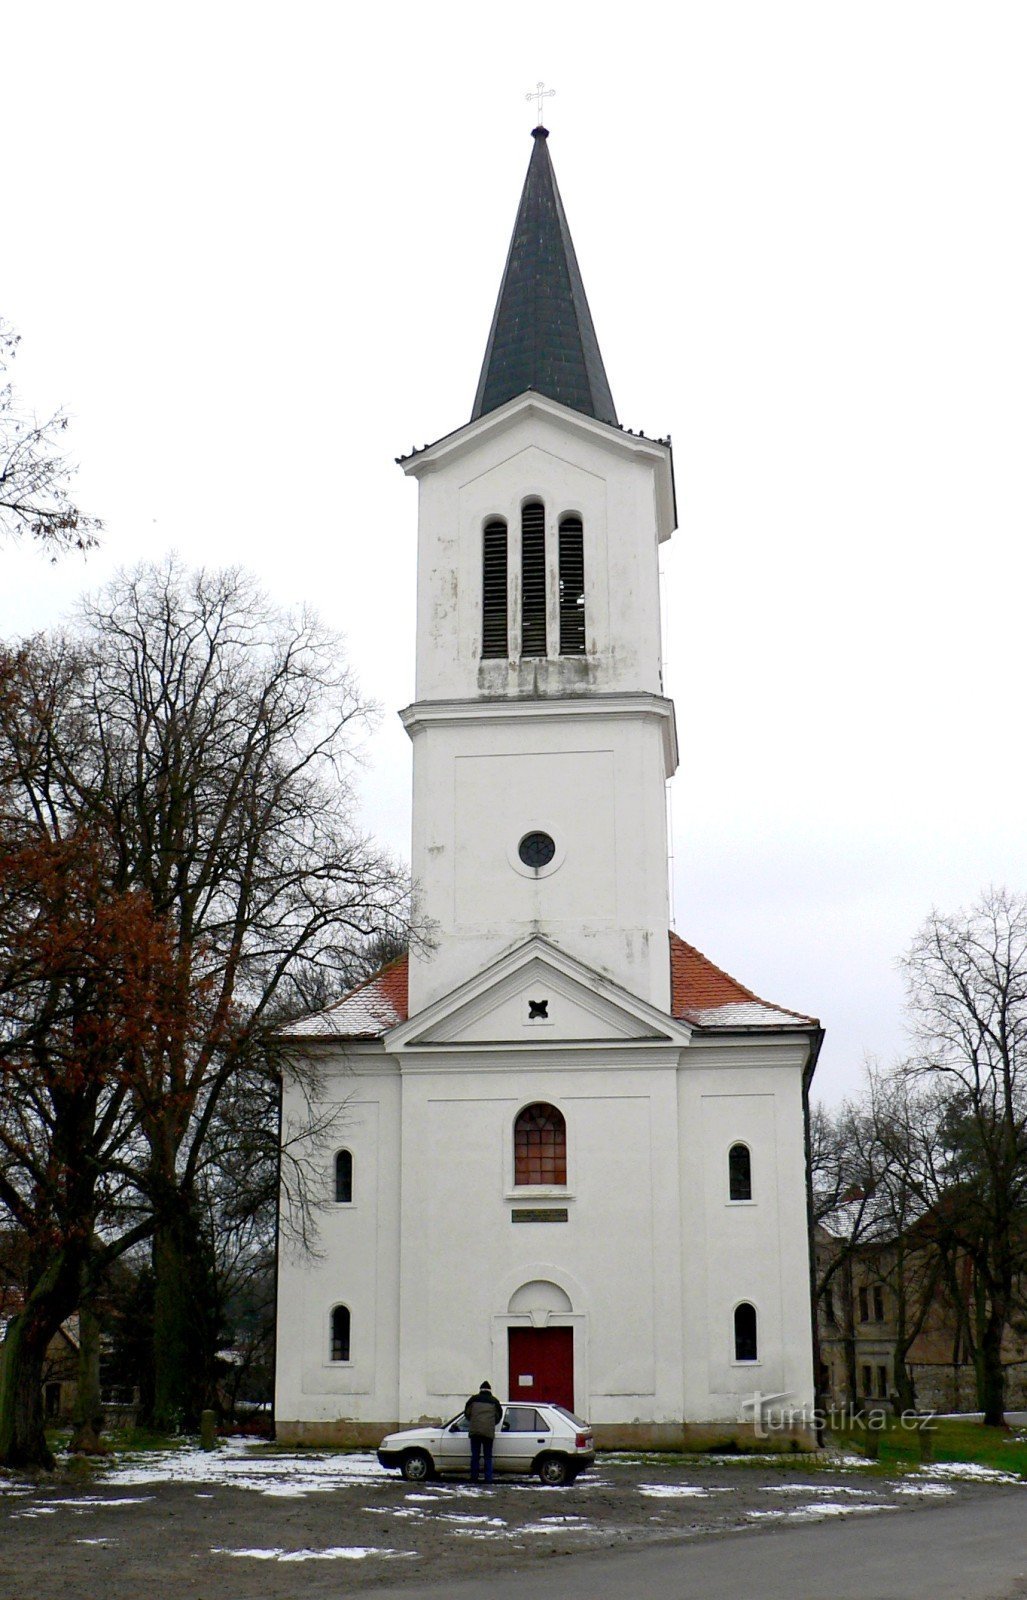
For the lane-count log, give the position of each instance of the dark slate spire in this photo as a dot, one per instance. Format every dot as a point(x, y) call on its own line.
point(542, 336)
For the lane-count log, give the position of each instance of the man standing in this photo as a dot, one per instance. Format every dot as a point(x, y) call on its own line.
point(484, 1413)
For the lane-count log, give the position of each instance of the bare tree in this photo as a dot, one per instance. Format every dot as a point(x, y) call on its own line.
point(87, 990)
point(35, 472)
point(212, 742)
point(966, 977)
point(900, 1123)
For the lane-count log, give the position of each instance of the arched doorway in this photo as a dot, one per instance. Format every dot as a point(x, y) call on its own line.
point(541, 1357)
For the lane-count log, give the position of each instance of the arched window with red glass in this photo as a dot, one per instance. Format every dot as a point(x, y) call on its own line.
point(540, 1146)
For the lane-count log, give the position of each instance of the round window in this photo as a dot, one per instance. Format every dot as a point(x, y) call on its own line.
point(536, 850)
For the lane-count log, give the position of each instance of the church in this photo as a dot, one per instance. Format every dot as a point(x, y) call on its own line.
point(572, 1152)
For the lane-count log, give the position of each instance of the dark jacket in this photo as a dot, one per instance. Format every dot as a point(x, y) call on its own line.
point(484, 1412)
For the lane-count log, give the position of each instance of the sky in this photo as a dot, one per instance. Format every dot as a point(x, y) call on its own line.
point(254, 251)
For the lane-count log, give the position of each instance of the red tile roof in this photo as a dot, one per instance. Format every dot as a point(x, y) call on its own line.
point(701, 994)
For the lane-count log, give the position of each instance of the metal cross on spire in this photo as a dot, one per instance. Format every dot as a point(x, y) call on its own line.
point(539, 93)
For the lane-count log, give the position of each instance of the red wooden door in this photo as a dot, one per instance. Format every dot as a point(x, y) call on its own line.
point(542, 1365)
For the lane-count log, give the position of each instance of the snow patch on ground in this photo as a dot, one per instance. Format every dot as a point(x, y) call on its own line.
point(970, 1470)
point(923, 1488)
point(676, 1491)
point(820, 1508)
point(815, 1488)
point(340, 1552)
point(548, 1525)
point(249, 1464)
point(49, 1508)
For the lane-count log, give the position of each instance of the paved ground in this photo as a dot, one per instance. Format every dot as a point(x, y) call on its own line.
point(253, 1524)
point(959, 1551)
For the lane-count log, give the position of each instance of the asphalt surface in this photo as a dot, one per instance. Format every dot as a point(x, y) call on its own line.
point(972, 1550)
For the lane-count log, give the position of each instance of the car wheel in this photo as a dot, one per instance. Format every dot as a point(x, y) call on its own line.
point(554, 1471)
point(416, 1466)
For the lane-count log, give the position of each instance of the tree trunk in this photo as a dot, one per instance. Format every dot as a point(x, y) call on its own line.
point(990, 1374)
point(22, 1358)
point(88, 1414)
point(849, 1327)
point(185, 1321)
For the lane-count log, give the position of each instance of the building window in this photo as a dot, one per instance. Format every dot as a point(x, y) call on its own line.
point(493, 589)
point(340, 1333)
point(572, 587)
point(882, 1383)
point(343, 1177)
point(739, 1172)
point(745, 1332)
point(540, 1146)
point(878, 1303)
point(868, 1382)
point(829, 1310)
point(864, 1307)
point(533, 579)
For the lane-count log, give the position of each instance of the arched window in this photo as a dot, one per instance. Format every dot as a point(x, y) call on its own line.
point(745, 1332)
point(493, 589)
point(739, 1172)
point(343, 1177)
point(340, 1333)
point(572, 587)
point(540, 1146)
point(533, 579)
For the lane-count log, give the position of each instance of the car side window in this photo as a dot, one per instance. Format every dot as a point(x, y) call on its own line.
point(522, 1419)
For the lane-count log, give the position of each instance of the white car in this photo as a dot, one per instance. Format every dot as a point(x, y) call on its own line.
point(547, 1439)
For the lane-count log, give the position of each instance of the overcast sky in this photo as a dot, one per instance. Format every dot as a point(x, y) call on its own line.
point(254, 250)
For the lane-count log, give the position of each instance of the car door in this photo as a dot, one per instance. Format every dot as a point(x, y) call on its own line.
point(453, 1450)
point(519, 1438)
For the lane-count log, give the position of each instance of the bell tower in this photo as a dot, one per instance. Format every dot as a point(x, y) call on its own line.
point(542, 741)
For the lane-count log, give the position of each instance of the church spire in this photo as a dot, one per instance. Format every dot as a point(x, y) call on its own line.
point(542, 336)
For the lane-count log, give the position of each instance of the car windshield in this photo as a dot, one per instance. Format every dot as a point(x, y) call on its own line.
point(459, 1421)
point(577, 1421)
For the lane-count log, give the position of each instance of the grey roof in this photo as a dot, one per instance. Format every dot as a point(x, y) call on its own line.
point(542, 336)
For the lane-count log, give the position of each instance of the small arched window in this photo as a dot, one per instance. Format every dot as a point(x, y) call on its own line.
point(493, 589)
point(745, 1332)
point(540, 1146)
point(739, 1172)
point(343, 1177)
point(572, 587)
point(533, 579)
point(340, 1333)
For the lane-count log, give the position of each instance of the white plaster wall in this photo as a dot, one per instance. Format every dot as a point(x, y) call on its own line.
point(615, 1257)
point(653, 1258)
point(461, 1259)
point(615, 495)
point(355, 1261)
point(750, 1091)
point(596, 785)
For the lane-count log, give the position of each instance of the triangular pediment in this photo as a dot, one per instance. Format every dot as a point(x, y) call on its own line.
point(537, 997)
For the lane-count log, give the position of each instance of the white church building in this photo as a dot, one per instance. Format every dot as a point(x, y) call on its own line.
point(572, 1157)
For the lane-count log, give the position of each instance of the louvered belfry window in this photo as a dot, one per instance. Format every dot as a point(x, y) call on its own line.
point(572, 587)
point(493, 589)
point(533, 579)
point(540, 1146)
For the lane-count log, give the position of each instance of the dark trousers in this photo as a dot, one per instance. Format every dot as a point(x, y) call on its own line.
point(479, 1448)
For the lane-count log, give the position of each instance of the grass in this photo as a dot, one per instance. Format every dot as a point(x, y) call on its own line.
point(958, 1440)
point(952, 1439)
